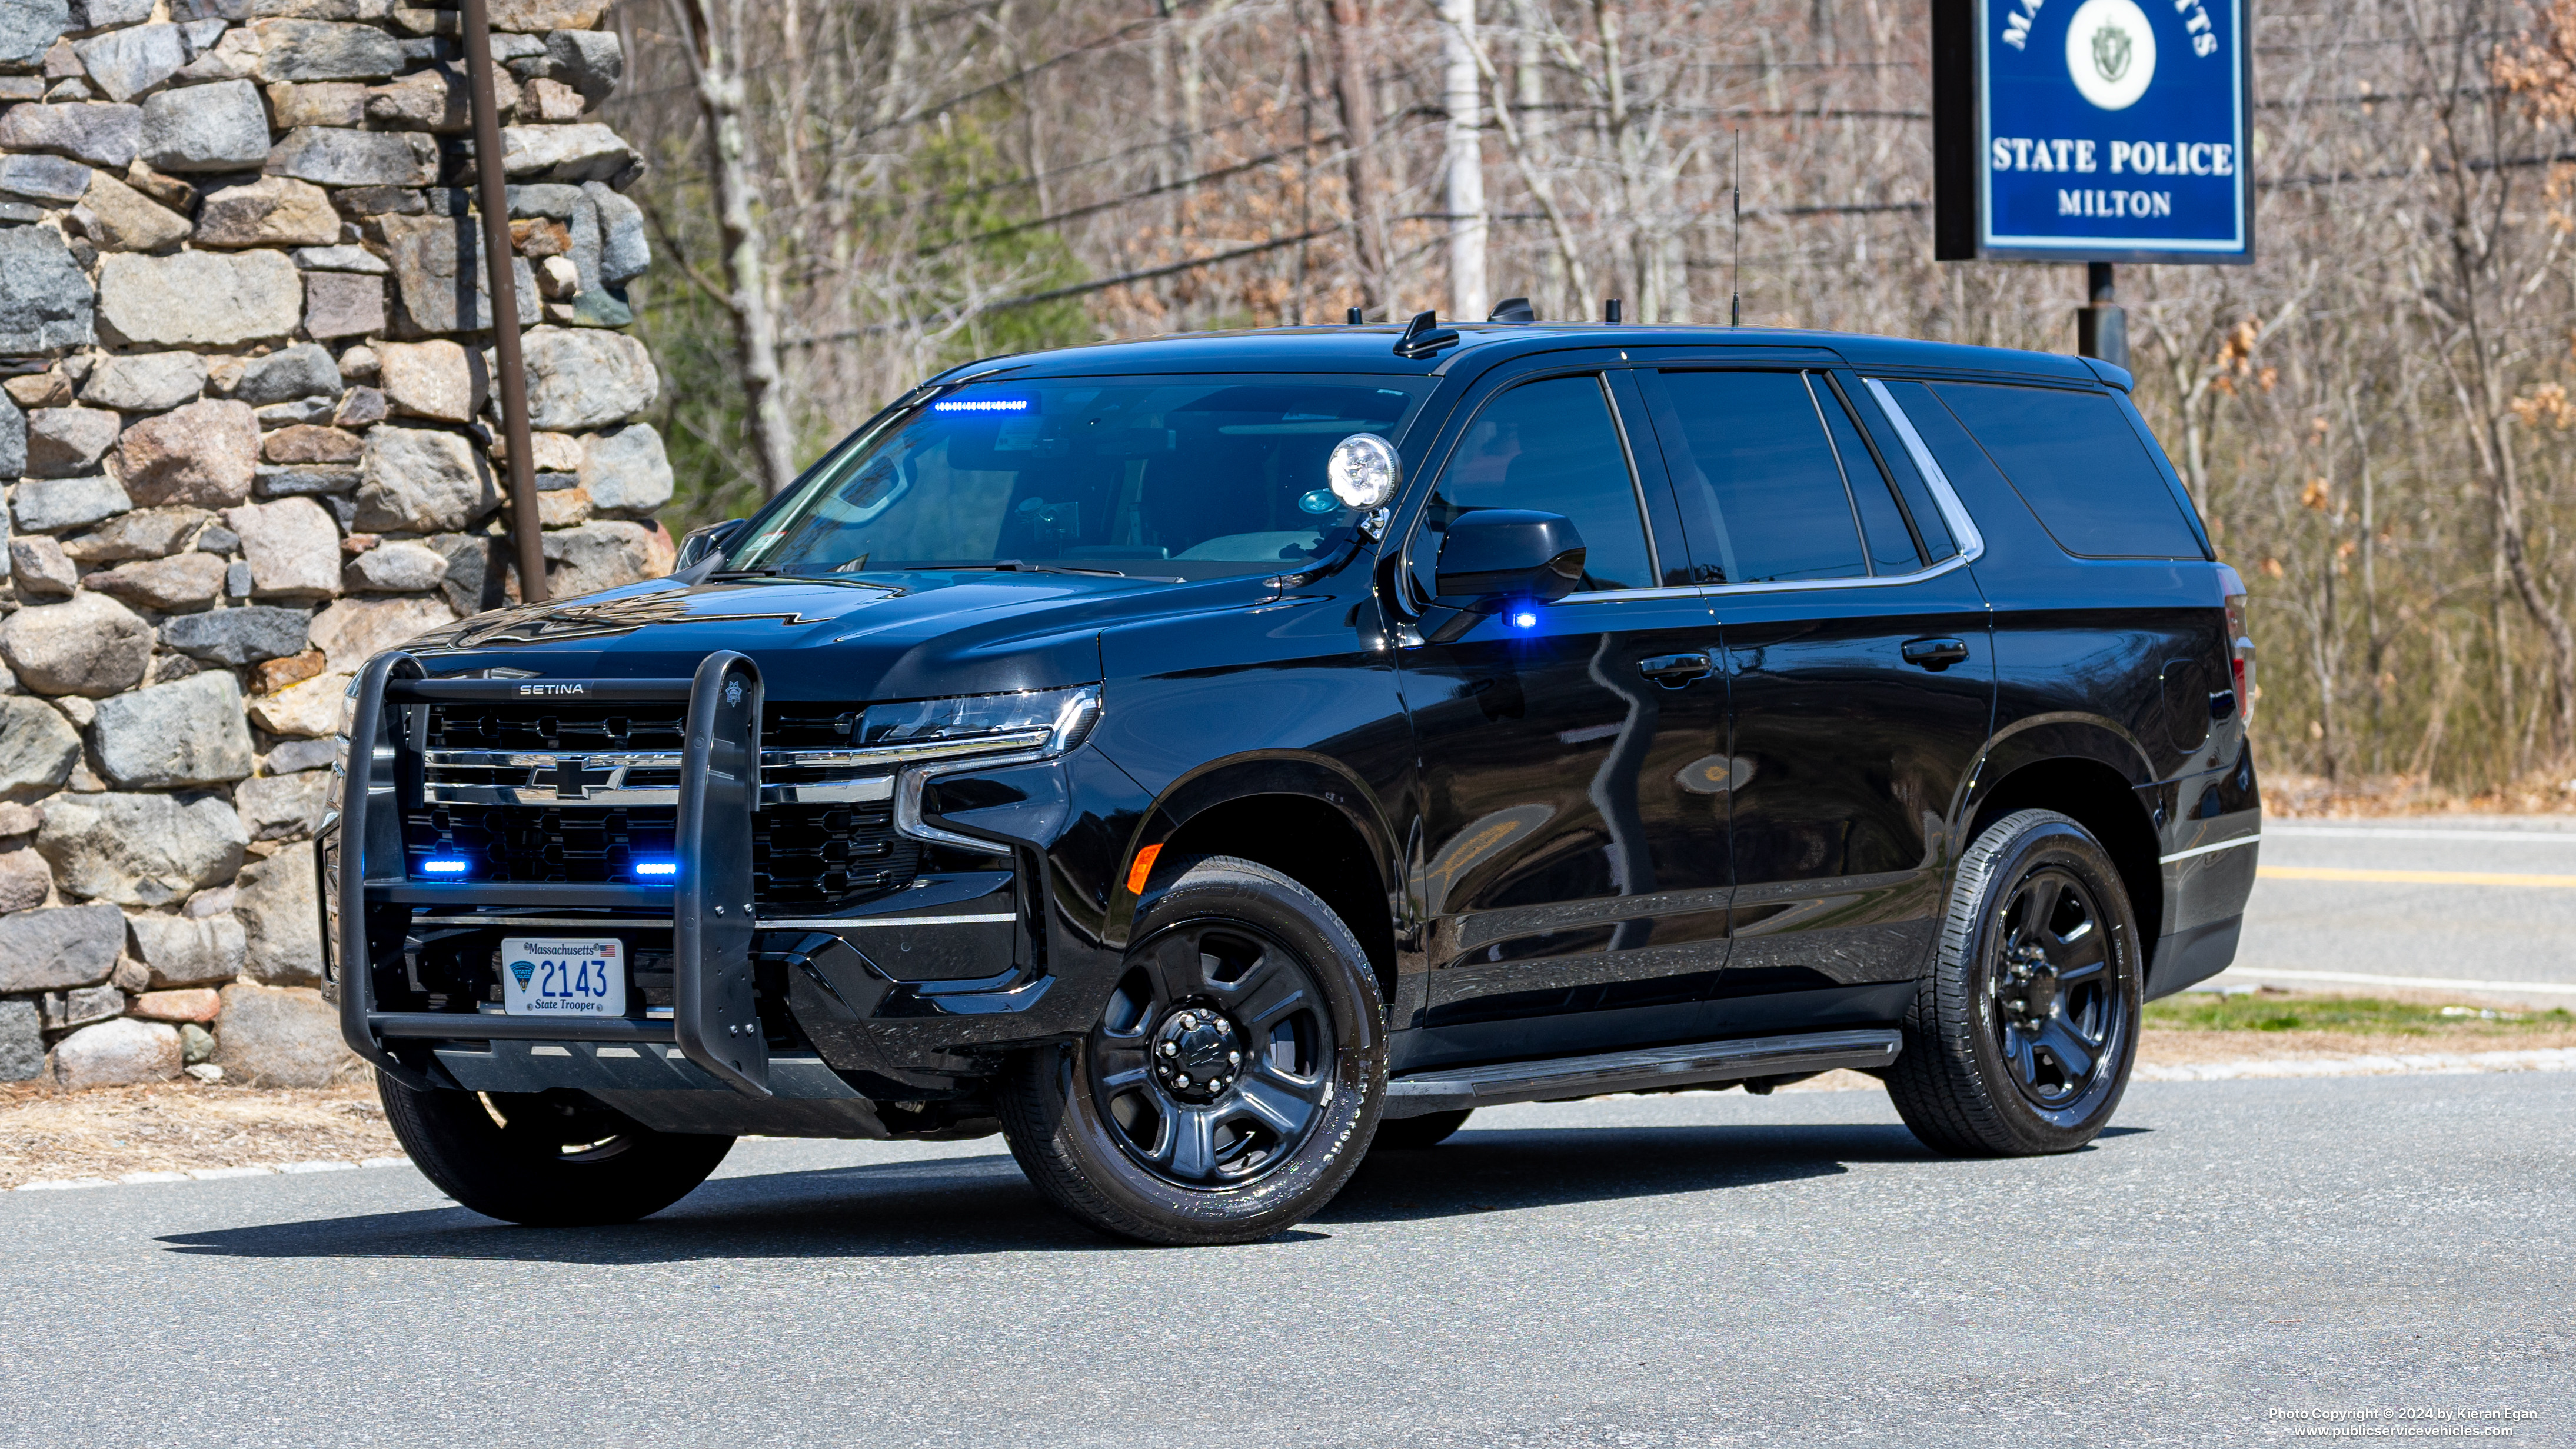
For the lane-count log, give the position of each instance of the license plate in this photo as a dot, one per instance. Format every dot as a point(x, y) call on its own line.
point(562, 976)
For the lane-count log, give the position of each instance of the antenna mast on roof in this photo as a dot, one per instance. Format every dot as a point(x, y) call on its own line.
point(1735, 265)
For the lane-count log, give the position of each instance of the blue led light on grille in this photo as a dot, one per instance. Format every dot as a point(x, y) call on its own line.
point(658, 869)
point(1523, 618)
point(442, 867)
point(981, 405)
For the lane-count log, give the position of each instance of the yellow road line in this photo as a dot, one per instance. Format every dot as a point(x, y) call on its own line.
point(2414, 877)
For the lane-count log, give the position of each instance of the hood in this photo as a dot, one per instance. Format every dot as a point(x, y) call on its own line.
point(875, 636)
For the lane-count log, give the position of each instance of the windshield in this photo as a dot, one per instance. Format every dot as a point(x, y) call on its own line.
point(1178, 477)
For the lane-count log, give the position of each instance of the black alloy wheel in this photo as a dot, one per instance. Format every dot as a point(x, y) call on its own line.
point(2057, 1011)
point(545, 1159)
point(2024, 1029)
point(1214, 1060)
point(1229, 1086)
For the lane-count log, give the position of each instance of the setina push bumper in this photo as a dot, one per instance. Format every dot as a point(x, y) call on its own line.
point(728, 904)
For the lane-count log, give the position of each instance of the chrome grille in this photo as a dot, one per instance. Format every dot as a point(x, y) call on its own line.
point(578, 792)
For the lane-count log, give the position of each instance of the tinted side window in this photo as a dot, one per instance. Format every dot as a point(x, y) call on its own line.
point(1929, 525)
point(1753, 450)
point(1552, 446)
point(2083, 470)
point(1882, 523)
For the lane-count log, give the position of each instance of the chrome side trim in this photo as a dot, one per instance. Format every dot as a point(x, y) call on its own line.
point(1873, 581)
point(1953, 512)
point(2209, 849)
point(1616, 596)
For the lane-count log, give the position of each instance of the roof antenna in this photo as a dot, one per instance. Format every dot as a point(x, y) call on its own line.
point(1735, 266)
point(1355, 317)
point(1610, 310)
point(1424, 336)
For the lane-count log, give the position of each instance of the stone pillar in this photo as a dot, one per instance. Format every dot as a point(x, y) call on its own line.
point(247, 441)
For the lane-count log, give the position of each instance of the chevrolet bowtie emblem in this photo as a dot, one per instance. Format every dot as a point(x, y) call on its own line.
point(569, 778)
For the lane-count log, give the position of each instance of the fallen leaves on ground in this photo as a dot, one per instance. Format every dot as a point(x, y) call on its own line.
point(46, 1132)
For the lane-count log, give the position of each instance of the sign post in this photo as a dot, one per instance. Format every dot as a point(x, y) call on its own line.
point(2094, 131)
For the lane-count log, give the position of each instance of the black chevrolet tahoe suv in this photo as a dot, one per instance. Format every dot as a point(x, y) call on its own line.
point(1202, 759)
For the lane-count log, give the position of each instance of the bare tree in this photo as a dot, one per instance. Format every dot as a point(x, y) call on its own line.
point(1463, 165)
point(714, 28)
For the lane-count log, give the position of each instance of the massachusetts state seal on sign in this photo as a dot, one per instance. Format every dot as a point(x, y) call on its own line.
point(2110, 52)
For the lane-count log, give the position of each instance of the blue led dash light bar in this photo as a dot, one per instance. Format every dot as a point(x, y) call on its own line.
point(981, 405)
point(442, 867)
point(658, 869)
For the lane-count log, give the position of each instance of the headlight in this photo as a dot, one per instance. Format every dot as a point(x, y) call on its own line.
point(932, 737)
point(1040, 722)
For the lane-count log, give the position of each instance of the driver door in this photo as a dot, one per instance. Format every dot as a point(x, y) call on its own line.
point(1574, 869)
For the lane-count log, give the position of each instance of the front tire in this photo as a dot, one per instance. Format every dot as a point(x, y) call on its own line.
point(2023, 1032)
point(545, 1159)
point(1233, 1079)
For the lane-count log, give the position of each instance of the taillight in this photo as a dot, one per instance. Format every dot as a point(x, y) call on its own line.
point(2240, 642)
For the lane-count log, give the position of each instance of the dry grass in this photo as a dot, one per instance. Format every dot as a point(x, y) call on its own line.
point(175, 1126)
point(2291, 796)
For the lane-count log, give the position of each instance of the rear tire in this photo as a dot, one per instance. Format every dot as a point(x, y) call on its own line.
point(2023, 1032)
point(1412, 1134)
point(545, 1159)
point(1232, 1081)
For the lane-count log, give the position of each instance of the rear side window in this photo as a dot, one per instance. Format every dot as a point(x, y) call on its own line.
point(1882, 523)
point(2084, 471)
point(1754, 455)
point(1935, 531)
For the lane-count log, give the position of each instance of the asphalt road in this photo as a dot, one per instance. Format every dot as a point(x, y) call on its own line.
point(2350, 899)
point(1697, 1270)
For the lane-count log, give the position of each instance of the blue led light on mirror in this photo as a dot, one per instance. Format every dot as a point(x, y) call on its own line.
point(442, 867)
point(1522, 618)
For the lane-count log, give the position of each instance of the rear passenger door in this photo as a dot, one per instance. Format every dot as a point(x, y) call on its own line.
point(1861, 682)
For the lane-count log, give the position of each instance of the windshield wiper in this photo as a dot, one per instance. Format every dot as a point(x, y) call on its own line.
point(1006, 565)
point(789, 575)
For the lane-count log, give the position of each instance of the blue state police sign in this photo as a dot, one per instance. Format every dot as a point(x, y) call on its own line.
point(2092, 130)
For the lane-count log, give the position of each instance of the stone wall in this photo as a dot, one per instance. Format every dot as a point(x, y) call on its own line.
point(248, 440)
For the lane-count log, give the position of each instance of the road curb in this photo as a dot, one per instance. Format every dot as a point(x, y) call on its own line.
point(206, 1174)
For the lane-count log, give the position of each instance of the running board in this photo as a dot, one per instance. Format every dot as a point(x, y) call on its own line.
point(1656, 1070)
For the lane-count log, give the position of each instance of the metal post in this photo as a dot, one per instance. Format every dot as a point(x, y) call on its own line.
point(2101, 328)
point(492, 194)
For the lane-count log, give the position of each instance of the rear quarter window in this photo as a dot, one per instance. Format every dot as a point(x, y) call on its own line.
point(2080, 465)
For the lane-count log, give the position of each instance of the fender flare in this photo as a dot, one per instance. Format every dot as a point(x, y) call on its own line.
point(1286, 772)
point(2044, 737)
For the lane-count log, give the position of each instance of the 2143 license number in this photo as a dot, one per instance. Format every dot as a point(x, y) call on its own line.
point(547, 976)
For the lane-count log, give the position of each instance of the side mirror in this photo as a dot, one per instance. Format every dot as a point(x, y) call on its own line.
point(702, 544)
point(1494, 556)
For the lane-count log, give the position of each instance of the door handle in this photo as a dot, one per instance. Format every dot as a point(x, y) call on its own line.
point(1934, 654)
point(1672, 671)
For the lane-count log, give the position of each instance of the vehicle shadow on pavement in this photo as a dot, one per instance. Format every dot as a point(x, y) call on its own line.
point(927, 1208)
point(953, 1206)
point(1485, 1170)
